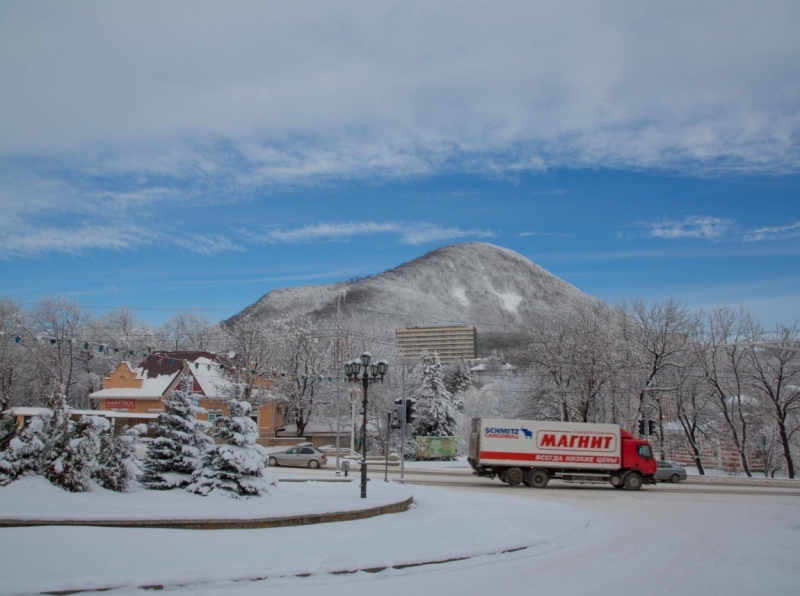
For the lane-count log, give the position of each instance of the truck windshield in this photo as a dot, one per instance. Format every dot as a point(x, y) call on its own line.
point(644, 451)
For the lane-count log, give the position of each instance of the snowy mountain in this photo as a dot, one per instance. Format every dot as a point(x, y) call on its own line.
point(496, 289)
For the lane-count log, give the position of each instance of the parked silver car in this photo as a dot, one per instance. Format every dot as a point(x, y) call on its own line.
point(669, 472)
point(302, 455)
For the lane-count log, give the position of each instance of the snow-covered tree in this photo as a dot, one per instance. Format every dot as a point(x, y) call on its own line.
point(72, 467)
point(436, 412)
point(25, 451)
point(304, 361)
point(237, 467)
point(8, 430)
point(115, 467)
point(174, 454)
point(460, 380)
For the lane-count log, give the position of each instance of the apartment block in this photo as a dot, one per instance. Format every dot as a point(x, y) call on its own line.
point(451, 342)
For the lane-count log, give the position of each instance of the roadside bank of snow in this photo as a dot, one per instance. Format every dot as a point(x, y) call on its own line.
point(34, 498)
point(443, 525)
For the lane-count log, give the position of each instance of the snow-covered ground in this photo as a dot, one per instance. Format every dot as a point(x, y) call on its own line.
point(579, 540)
point(35, 498)
point(443, 525)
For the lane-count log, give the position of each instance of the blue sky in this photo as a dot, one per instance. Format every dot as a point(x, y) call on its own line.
point(200, 155)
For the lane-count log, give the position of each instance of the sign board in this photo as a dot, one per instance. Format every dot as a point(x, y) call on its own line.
point(120, 404)
point(436, 447)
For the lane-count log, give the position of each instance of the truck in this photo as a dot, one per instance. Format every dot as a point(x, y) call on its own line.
point(536, 451)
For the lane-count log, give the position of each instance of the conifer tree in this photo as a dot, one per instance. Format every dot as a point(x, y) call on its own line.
point(174, 454)
point(8, 430)
point(72, 468)
point(115, 468)
point(62, 431)
point(238, 467)
point(26, 450)
point(460, 382)
point(436, 415)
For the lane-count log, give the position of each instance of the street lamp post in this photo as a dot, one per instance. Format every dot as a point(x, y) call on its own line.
point(352, 370)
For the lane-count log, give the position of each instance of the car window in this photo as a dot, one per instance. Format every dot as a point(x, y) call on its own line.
point(308, 451)
point(644, 451)
point(291, 451)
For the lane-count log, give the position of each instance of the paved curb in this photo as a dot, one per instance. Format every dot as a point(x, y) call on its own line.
point(223, 524)
point(742, 481)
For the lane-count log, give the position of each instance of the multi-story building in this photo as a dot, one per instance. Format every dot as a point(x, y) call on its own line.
point(451, 342)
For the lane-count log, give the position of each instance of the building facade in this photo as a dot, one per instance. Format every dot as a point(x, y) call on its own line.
point(450, 342)
point(143, 389)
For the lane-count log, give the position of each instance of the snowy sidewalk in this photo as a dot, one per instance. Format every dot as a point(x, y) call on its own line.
point(443, 525)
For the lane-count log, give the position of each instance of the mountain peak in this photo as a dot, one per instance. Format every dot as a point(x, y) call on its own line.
point(478, 283)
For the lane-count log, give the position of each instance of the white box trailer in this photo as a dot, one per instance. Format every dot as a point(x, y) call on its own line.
point(535, 451)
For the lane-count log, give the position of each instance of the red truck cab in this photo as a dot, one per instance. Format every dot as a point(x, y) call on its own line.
point(637, 455)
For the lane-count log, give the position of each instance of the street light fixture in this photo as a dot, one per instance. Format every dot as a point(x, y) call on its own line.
point(377, 370)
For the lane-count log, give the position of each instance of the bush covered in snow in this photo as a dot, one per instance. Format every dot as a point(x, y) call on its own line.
point(238, 467)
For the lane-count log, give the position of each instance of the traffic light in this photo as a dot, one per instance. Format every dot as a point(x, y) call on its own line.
point(641, 427)
point(651, 427)
point(411, 410)
point(399, 410)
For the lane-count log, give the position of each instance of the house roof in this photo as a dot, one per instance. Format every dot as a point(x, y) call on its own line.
point(160, 370)
point(24, 411)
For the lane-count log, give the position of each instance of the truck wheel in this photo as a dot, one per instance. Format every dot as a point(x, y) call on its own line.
point(537, 478)
point(675, 479)
point(514, 476)
point(632, 481)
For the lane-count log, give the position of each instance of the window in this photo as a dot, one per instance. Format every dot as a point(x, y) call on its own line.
point(644, 451)
point(307, 451)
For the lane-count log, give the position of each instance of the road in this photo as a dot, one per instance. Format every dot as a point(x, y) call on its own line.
point(688, 539)
point(463, 479)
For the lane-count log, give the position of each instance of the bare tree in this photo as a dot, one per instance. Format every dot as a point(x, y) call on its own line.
point(54, 331)
point(189, 331)
point(256, 353)
point(692, 408)
point(304, 362)
point(573, 357)
point(658, 336)
point(12, 357)
point(722, 356)
point(774, 371)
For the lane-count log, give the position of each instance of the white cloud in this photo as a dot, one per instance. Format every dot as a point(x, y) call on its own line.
point(409, 233)
point(705, 227)
point(27, 241)
point(206, 244)
point(773, 232)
